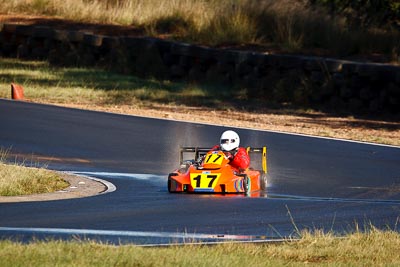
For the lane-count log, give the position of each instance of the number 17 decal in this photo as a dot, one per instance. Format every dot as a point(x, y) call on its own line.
point(204, 180)
point(214, 159)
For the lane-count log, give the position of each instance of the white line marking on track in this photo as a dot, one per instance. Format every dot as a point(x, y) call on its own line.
point(190, 236)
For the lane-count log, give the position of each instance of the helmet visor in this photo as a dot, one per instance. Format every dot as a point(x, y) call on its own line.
point(227, 141)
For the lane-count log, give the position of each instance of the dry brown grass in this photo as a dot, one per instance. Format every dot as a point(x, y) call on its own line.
point(374, 248)
point(16, 179)
point(277, 26)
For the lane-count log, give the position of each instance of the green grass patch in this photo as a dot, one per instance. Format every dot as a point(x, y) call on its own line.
point(16, 179)
point(375, 248)
point(99, 87)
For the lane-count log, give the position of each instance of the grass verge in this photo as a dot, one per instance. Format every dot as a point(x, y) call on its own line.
point(374, 248)
point(17, 180)
point(99, 87)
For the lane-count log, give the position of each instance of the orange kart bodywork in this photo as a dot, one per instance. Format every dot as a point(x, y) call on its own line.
point(210, 172)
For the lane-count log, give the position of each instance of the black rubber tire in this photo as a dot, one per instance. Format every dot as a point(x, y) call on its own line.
point(246, 185)
point(169, 185)
point(263, 181)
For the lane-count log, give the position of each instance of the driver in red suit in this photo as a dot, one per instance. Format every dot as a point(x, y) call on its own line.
point(229, 144)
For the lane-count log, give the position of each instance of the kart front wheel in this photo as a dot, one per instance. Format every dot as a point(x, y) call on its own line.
point(171, 183)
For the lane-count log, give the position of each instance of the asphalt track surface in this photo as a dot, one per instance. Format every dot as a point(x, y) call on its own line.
point(315, 183)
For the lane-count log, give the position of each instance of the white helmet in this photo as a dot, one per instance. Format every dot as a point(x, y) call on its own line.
point(229, 140)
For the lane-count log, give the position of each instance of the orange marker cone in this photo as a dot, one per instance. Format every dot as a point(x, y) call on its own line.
point(17, 92)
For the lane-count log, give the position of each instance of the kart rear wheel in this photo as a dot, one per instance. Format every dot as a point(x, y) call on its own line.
point(263, 181)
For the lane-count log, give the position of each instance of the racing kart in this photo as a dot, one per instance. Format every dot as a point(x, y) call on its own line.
point(209, 172)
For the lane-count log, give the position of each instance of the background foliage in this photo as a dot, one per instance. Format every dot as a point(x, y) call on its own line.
point(364, 13)
point(323, 27)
